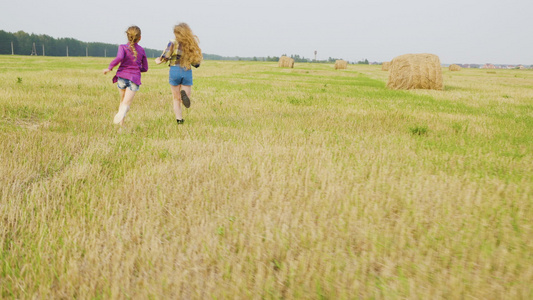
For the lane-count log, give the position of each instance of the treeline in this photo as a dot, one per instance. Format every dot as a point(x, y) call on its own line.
point(296, 57)
point(22, 43)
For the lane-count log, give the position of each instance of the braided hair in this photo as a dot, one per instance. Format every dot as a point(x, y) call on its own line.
point(134, 35)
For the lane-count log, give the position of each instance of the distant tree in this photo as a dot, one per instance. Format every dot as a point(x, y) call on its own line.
point(332, 59)
point(5, 42)
point(297, 58)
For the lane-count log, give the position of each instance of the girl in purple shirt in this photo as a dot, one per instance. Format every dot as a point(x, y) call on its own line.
point(132, 60)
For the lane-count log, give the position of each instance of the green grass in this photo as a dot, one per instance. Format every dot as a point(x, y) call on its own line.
point(304, 183)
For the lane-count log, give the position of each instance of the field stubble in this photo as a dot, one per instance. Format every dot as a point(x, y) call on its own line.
point(283, 183)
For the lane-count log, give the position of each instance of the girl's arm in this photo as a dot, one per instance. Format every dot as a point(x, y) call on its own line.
point(118, 59)
point(144, 64)
point(165, 56)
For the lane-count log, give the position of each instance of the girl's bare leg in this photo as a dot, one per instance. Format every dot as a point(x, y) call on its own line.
point(187, 89)
point(122, 92)
point(176, 101)
point(126, 98)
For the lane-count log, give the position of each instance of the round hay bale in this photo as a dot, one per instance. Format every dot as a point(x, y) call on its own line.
point(415, 71)
point(454, 67)
point(286, 62)
point(341, 64)
point(385, 66)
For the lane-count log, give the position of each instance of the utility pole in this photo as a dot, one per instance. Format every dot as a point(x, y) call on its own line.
point(67, 50)
point(33, 50)
point(315, 55)
point(12, 52)
point(105, 52)
point(43, 49)
point(87, 51)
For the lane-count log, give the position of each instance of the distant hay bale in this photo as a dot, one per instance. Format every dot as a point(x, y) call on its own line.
point(385, 66)
point(415, 71)
point(341, 64)
point(454, 67)
point(286, 62)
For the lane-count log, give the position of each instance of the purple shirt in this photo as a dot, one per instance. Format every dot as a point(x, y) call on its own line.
point(130, 68)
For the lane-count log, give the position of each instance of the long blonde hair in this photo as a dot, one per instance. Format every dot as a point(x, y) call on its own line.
point(191, 52)
point(134, 35)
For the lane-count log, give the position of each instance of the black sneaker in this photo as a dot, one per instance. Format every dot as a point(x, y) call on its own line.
point(185, 99)
point(180, 121)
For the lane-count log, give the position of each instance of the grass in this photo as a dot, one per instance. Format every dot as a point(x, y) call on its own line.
point(283, 183)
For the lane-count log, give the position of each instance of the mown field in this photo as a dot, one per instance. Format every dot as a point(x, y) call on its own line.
point(304, 183)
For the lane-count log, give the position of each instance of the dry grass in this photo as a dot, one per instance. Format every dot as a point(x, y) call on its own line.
point(341, 64)
point(415, 71)
point(385, 66)
point(286, 62)
point(454, 67)
point(320, 185)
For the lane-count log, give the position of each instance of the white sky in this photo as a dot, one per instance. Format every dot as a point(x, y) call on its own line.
point(458, 31)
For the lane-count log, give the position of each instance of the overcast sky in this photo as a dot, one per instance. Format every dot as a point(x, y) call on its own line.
point(458, 31)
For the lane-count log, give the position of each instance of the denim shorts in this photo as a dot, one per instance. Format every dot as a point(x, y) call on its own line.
point(126, 83)
point(178, 75)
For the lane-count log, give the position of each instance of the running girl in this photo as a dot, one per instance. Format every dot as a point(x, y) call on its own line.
point(132, 60)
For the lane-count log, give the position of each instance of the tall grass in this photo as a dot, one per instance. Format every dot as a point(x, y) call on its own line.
point(283, 183)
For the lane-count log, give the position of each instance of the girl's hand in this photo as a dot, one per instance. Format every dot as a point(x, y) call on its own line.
point(106, 71)
point(158, 60)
